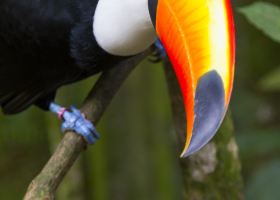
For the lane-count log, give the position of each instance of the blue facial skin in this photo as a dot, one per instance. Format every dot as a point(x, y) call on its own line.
point(209, 110)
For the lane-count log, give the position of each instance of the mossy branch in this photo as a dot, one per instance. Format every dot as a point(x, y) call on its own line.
point(44, 185)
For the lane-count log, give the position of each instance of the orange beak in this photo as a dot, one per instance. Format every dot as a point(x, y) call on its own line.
point(198, 36)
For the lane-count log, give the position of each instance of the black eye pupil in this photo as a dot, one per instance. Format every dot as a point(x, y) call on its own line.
point(153, 10)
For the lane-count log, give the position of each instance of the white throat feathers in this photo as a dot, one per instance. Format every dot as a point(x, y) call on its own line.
point(123, 28)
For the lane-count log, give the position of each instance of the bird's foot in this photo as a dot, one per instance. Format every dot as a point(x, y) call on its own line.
point(159, 52)
point(74, 120)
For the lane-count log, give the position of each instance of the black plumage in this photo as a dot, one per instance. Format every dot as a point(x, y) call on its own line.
point(45, 44)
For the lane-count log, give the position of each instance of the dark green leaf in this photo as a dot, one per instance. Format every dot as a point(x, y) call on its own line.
point(265, 16)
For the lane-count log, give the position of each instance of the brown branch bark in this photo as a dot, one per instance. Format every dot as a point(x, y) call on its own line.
point(214, 172)
point(43, 187)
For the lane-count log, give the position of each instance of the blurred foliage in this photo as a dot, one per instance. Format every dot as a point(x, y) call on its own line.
point(264, 16)
point(136, 157)
point(265, 176)
point(271, 81)
point(260, 144)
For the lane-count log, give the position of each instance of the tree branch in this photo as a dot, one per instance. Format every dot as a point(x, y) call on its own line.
point(43, 187)
point(214, 172)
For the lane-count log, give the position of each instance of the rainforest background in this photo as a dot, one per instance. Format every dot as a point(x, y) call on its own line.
point(136, 157)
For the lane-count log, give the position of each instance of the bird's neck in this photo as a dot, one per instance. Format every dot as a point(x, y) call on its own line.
point(123, 28)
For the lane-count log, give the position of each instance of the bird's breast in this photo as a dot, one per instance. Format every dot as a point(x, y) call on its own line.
point(123, 28)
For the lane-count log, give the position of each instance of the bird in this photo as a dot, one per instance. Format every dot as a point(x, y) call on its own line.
point(45, 44)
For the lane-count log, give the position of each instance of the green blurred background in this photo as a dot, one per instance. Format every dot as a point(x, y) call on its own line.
point(136, 157)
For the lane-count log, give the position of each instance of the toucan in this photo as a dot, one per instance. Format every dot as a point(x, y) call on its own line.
point(45, 44)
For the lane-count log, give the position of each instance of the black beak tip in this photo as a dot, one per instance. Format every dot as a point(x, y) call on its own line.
point(209, 111)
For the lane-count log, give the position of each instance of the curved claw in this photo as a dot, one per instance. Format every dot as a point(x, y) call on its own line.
point(76, 121)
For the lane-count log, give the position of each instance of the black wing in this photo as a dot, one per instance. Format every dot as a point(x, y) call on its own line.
point(45, 44)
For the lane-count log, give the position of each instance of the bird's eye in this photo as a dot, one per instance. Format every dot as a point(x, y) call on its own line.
point(153, 10)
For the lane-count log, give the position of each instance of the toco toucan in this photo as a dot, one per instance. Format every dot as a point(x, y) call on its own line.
point(45, 44)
